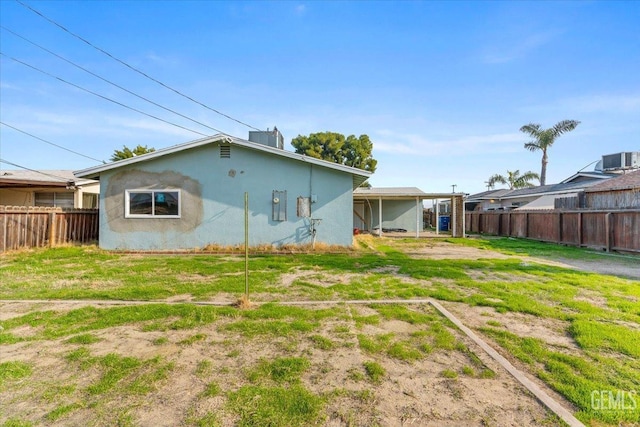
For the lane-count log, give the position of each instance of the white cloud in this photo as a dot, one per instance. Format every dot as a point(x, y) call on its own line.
point(419, 145)
point(603, 103)
point(300, 9)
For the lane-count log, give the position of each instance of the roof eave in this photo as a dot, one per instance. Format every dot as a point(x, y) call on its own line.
point(95, 171)
point(359, 175)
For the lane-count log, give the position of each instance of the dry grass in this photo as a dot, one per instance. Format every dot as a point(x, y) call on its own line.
point(272, 249)
point(243, 303)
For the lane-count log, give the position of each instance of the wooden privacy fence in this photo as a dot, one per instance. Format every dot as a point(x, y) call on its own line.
point(608, 230)
point(30, 227)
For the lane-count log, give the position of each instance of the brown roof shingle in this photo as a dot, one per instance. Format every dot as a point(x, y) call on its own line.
point(628, 181)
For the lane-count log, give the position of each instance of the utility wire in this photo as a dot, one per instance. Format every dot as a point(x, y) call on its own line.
point(108, 81)
point(132, 67)
point(33, 170)
point(49, 142)
point(102, 96)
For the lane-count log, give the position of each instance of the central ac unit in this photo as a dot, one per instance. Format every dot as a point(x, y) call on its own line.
point(624, 160)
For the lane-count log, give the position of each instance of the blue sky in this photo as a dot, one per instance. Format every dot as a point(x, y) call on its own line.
point(441, 88)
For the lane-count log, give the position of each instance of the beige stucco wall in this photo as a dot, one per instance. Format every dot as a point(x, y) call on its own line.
point(11, 197)
point(26, 196)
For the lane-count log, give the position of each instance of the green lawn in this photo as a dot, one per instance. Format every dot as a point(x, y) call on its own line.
point(600, 314)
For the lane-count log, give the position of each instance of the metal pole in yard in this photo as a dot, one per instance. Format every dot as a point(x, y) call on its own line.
point(437, 218)
point(246, 245)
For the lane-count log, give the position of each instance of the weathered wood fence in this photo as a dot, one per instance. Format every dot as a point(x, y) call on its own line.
point(29, 227)
point(608, 230)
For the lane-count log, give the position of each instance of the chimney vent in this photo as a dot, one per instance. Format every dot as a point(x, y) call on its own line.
point(272, 138)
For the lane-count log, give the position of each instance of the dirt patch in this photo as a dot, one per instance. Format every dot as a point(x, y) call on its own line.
point(626, 267)
point(551, 331)
point(445, 250)
point(411, 392)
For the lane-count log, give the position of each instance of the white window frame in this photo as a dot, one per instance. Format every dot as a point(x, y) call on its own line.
point(127, 200)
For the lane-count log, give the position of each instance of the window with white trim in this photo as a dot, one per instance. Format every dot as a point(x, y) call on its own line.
point(152, 204)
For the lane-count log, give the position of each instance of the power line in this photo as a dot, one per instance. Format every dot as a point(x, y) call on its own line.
point(51, 143)
point(108, 81)
point(132, 67)
point(33, 170)
point(102, 96)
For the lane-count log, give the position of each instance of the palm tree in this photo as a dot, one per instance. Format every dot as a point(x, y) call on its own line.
point(514, 179)
point(543, 139)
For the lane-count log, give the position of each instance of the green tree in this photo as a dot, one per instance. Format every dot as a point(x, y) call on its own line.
point(334, 147)
point(514, 179)
point(127, 153)
point(543, 139)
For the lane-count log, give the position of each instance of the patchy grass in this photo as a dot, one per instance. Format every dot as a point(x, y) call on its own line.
point(601, 314)
point(322, 343)
point(83, 339)
point(13, 371)
point(375, 372)
point(448, 373)
point(276, 406)
point(287, 369)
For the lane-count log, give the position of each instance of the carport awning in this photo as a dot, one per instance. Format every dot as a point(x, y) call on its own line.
point(387, 193)
point(402, 193)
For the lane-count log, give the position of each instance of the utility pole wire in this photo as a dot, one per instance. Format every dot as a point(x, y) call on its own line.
point(132, 67)
point(102, 96)
point(49, 142)
point(108, 81)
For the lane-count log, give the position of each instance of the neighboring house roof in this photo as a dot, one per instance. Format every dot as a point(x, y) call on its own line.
point(359, 175)
point(43, 178)
point(627, 181)
point(398, 193)
point(569, 187)
point(544, 202)
point(487, 195)
point(585, 176)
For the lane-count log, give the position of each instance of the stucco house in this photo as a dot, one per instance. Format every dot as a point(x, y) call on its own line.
point(47, 188)
point(192, 195)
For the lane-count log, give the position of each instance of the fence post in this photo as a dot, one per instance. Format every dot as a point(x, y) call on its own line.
point(559, 227)
point(607, 231)
point(52, 229)
point(579, 229)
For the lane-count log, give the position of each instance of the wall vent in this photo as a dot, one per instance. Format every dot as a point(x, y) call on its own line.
point(225, 151)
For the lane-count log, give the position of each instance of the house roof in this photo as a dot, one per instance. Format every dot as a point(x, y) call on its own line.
point(627, 181)
point(42, 178)
point(398, 193)
point(359, 175)
point(560, 188)
point(487, 195)
point(544, 202)
point(588, 175)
